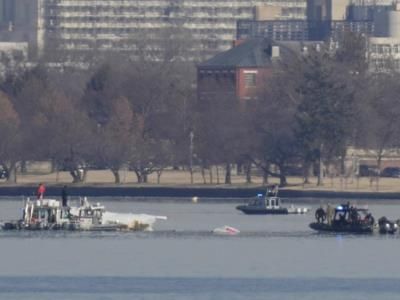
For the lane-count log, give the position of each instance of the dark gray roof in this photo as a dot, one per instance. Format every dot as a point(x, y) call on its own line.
point(250, 53)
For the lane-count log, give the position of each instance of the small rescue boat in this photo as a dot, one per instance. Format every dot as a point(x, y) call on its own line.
point(387, 226)
point(346, 219)
point(270, 204)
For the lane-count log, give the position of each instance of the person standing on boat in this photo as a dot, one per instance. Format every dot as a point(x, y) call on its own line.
point(272, 191)
point(275, 189)
point(329, 214)
point(40, 191)
point(320, 215)
point(64, 196)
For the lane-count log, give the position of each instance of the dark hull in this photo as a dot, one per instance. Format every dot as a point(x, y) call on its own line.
point(391, 229)
point(386, 231)
point(34, 227)
point(248, 210)
point(346, 228)
point(67, 227)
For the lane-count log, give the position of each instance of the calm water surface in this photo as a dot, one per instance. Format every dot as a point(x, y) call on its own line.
point(274, 257)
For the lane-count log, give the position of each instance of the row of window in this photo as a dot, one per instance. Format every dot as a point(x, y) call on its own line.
point(385, 49)
point(212, 33)
point(384, 64)
point(149, 20)
point(158, 10)
point(249, 78)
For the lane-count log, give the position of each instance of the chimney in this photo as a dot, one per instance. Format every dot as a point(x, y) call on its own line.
point(275, 52)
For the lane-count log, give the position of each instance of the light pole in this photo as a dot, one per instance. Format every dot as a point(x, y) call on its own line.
point(191, 136)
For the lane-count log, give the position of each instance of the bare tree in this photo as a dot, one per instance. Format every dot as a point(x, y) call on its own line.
point(222, 132)
point(10, 138)
point(273, 123)
point(326, 108)
point(114, 138)
point(379, 108)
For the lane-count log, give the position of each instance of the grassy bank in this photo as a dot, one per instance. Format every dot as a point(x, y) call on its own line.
point(182, 178)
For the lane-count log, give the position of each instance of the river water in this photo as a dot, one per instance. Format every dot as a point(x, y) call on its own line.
point(273, 257)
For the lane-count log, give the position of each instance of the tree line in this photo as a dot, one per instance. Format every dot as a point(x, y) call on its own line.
point(142, 113)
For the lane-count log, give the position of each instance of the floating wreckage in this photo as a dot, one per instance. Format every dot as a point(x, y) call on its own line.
point(226, 230)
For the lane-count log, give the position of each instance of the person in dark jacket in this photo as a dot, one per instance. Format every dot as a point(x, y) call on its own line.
point(320, 215)
point(64, 196)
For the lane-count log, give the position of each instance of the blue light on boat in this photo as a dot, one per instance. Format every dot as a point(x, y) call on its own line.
point(259, 195)
point(339, 207)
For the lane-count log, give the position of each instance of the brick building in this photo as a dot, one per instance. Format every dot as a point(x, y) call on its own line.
point(240, 72)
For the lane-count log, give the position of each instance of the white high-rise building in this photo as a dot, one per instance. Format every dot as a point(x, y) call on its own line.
point(84, 25)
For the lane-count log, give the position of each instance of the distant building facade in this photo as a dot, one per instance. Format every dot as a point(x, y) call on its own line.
point(104, 25)
point(325, 20)
point(384, 46)
point(330, 20)
point(277, 30)
point(19, 26)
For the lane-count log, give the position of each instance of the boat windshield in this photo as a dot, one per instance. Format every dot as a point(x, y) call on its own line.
point(350, 214)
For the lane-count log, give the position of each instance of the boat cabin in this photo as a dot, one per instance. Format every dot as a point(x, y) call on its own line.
point(91, 214)
point(265, 202)
point(45, 212)
point(346, 214)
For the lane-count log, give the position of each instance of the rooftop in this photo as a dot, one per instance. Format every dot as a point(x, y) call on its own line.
point(257, 52)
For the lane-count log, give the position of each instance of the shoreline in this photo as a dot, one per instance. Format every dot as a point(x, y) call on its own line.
point(177, 184)
point(216, 193)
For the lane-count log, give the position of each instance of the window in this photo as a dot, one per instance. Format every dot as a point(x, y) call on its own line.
point(250, 79)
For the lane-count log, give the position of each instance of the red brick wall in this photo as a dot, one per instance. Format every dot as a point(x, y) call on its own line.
point(213, 83)
point(246, 93)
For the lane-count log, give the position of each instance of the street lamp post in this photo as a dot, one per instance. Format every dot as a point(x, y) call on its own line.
point(191, 136)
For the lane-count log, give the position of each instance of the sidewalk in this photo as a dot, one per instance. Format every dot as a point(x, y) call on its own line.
point(173, 178)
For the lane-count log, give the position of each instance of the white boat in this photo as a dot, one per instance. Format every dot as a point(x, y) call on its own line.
point(270, 205)
point(95, 214)
point(297, 209)
point(43, 214)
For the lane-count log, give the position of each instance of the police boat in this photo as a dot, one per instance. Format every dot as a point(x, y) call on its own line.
point(346, 219)
point(269, 204)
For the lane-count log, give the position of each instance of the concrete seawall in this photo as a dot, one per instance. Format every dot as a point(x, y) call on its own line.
point(188, 192)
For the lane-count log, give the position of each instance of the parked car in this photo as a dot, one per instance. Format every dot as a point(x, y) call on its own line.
point(3, 174)
point(391, 172)
point(365, 170)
